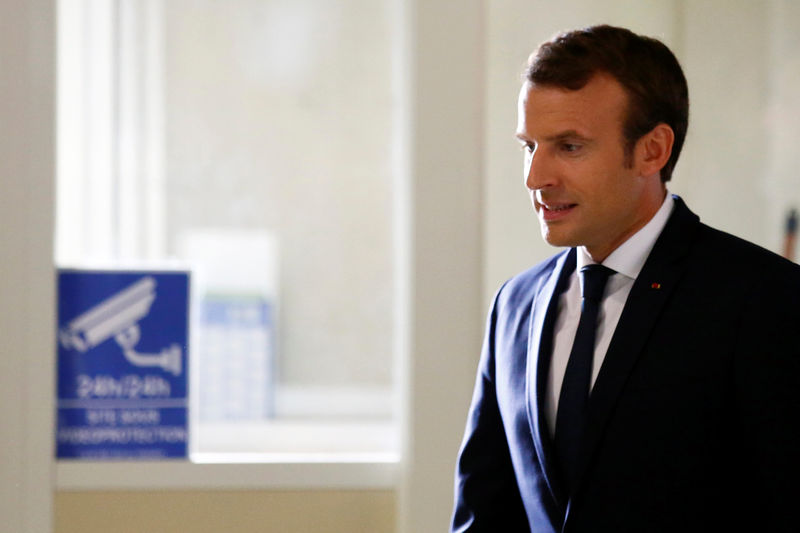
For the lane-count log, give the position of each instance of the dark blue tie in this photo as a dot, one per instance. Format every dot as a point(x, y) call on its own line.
point(574, 397)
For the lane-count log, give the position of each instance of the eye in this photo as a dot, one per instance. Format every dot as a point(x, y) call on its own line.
point(570, 148)
point(528, 148)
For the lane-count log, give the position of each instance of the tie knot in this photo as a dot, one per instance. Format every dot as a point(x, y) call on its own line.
point(594, 281)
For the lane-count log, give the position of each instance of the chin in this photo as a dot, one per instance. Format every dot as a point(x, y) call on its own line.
point(554, 239)
point(556, 242)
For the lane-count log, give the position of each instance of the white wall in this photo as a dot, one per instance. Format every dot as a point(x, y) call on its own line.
point(27, 34)
point(739, 169)
point(722, 169)
point(782, 116)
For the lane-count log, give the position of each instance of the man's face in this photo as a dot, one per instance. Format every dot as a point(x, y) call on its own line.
point(582, 188)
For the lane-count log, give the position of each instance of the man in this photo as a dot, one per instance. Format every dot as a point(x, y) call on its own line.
point(667, 397)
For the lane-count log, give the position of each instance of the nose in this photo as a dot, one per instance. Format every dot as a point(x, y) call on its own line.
point(538, 172)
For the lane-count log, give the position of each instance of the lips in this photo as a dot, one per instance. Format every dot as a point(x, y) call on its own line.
point(558, 207)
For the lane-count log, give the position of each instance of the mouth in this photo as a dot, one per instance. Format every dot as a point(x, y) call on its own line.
point(554, 210)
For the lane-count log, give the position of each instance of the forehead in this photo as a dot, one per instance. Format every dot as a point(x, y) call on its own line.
point(591, 110)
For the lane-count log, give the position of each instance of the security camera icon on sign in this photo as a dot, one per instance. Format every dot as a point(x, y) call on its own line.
point(118, 317)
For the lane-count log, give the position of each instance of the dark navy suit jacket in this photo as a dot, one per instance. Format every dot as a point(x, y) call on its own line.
point(694, 416)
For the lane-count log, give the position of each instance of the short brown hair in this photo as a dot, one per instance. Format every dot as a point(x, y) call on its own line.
point(645, 67)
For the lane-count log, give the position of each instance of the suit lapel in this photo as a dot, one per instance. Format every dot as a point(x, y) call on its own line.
point(540, 348)
point(652, 288)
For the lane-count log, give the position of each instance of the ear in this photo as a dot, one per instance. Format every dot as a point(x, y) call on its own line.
point(653, 149)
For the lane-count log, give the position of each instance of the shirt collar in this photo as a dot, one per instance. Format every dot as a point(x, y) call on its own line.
point(629, 257)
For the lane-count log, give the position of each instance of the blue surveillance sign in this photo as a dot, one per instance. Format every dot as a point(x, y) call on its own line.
point(122, 364)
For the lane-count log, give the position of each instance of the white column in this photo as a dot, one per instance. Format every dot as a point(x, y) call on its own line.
point(138, 95)
point(27, 295)
point(110, 141)
point(444, 94)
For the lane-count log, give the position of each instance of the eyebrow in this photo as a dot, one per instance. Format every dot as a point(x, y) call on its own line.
point(568, 134)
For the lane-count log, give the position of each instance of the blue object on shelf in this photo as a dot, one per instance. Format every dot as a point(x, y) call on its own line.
point(122, 383)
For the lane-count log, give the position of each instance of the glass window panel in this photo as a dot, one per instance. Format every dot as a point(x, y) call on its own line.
point(251, 140)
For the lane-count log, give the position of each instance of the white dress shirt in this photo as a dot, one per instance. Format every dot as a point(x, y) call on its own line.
point(626, 261)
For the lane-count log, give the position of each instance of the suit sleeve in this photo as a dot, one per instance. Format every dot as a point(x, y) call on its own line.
point(486, 494)
point(767, 377)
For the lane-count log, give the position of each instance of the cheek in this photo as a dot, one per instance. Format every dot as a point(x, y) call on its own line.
point(612, 181)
